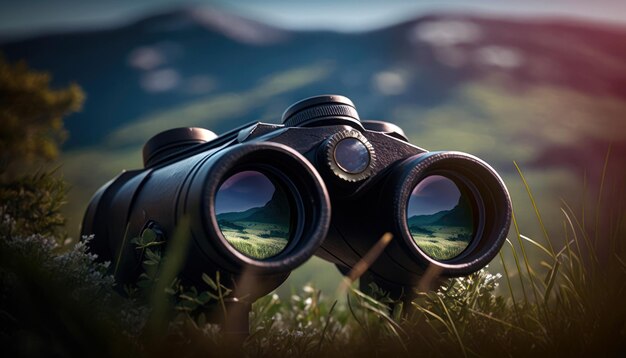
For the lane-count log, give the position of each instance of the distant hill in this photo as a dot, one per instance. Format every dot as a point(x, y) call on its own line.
point(459, 216)
point(184, 56)
point(275, 211)
point(424, 220)
point(548, 94)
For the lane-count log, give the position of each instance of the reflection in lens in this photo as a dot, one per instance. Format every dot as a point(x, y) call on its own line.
point(352, 155)
point(440, 218)
point(253, 214)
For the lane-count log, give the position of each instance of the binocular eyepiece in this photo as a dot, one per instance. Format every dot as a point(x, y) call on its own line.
point(263, 198)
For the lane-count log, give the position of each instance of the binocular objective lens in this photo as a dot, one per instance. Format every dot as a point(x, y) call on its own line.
point(351, 155)
point(440, 217)
point(254, 214)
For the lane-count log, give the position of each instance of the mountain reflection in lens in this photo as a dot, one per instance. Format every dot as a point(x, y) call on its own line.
point(253, 214)
point(440, 218)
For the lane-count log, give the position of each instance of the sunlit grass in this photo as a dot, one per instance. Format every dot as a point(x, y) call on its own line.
point(440, 242)
point(570, 303)
point(254, 246)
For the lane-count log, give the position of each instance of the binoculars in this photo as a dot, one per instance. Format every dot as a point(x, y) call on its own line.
point(263, 198)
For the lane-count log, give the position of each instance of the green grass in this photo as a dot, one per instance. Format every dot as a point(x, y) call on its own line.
point(570, 304)
point(257, 240)
point(440, 242)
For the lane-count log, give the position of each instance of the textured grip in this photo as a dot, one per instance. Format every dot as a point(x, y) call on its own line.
point(322, 111)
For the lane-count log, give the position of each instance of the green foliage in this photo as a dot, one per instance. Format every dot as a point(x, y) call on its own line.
point(31, 129)
point(34, 203)
point(54, 299)
point(169, 301)
point(575, 308)
point(31, 116)
point(300, 325)
point(570, 305)
point(56, 302)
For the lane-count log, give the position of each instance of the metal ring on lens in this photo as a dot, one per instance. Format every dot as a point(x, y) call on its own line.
point(484, 189)
point(289, 169)
point(256, 212)
point(352, 161)
point(443, 215)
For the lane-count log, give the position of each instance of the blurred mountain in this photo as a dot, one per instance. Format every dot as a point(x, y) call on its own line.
point(196, 54)
point(550, 95)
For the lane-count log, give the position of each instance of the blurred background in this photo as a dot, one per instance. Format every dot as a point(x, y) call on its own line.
point(541, 84)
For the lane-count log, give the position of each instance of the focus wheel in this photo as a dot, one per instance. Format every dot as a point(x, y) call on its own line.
point(350, 156)
point(320, 108)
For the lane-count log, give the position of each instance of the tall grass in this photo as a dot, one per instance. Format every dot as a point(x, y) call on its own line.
point(572, 302)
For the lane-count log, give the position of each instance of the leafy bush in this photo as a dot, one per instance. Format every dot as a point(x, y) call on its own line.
point(576, 309)
point(34, 204)
point(31, 117)
point(53, 301)
point(31, 129)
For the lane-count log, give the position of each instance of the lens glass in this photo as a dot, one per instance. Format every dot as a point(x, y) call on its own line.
point(440, 217)
point(351, 155)
point(254, 214)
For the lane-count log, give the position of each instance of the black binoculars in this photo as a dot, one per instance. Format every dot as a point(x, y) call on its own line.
point(263, 198)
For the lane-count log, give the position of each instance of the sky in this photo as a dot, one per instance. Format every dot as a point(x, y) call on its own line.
point(243, 191)
point(31, 17)
point(432, 195)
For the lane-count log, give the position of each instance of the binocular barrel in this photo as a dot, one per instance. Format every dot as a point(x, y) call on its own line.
point(259, 199)
point(449, 210)
point(267, 190)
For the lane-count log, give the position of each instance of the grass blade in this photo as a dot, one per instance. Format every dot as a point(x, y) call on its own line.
point(330, 313)
point(535, 207)
point(453, 326)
